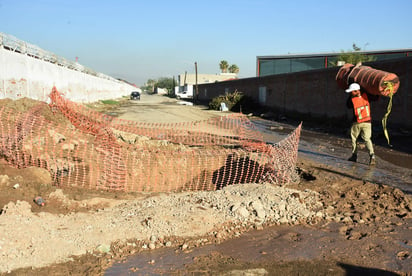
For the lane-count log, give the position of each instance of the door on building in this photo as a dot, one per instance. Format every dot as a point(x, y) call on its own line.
point(262, 94)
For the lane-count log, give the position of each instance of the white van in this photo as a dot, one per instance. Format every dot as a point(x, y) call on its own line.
point(184, 92)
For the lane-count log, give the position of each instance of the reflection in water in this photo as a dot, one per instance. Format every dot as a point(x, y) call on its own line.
point(359, 171)
point(161, 261)
point(369, 173)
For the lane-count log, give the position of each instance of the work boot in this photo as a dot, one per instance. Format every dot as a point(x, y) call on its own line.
point(353, 158)
point(372, 160)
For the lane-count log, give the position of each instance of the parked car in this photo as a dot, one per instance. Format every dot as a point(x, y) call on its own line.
point(135, 95)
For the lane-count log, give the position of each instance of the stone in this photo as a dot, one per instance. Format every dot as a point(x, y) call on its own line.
point(247, 272)
point(256, 204)
point(103, 248)
point(282, 206)
point(4, 179)
point(283, 220)
point(235, 207)
point(242, 211)
point(260, 213)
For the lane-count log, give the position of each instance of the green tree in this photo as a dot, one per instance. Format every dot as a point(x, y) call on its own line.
point(353, 56)
point(224, 65)
point(167, 83)
point(150, 85)
point(234, 69)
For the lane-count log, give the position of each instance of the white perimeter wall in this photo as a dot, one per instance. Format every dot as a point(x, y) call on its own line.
point(23, 76)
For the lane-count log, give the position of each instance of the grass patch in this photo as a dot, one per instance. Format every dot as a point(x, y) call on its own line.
point(111, 102)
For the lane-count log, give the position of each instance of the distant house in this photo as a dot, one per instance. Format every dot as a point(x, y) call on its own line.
point(186, 82)
point(184, 79)
point(160, 91)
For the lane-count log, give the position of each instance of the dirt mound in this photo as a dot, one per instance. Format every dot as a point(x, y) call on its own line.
point(39, 108)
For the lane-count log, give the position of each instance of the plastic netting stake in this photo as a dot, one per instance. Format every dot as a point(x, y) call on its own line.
point(389, 86)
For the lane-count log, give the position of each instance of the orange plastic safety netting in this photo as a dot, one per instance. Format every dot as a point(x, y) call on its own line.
point(84, 148)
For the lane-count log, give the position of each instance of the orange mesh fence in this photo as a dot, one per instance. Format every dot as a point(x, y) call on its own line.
point(234, 129)
point(84, 148)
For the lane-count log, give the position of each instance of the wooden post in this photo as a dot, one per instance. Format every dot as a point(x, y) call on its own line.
point(197, 90)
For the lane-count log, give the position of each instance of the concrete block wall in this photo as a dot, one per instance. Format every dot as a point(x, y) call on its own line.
point(24, 76)
point(315, 94)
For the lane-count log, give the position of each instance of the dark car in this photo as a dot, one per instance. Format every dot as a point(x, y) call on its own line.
point(135, 95)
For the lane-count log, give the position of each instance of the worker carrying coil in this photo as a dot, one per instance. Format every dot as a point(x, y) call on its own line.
point(366, 84)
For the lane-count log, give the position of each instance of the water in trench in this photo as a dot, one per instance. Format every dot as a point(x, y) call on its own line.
point(393, 168)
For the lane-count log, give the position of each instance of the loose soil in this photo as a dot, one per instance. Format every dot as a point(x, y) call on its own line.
point(333, 221)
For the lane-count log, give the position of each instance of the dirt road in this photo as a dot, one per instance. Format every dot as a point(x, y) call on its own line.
point(340, 218)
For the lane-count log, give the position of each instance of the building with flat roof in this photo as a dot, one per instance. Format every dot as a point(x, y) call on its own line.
point(280, 64)
point(184, 79)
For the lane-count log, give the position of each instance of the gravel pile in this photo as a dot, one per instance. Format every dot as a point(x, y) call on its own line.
point(39, 239)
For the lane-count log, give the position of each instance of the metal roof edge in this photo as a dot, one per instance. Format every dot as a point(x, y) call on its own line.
point(333, 53)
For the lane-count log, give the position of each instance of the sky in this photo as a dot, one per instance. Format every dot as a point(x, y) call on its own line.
point(138, 40)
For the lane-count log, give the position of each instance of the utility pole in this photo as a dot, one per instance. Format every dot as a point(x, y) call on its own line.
point(197, 90)
point(173, 88)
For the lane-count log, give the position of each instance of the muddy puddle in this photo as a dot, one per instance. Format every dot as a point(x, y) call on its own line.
point(278, 249)
point(394, 165)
